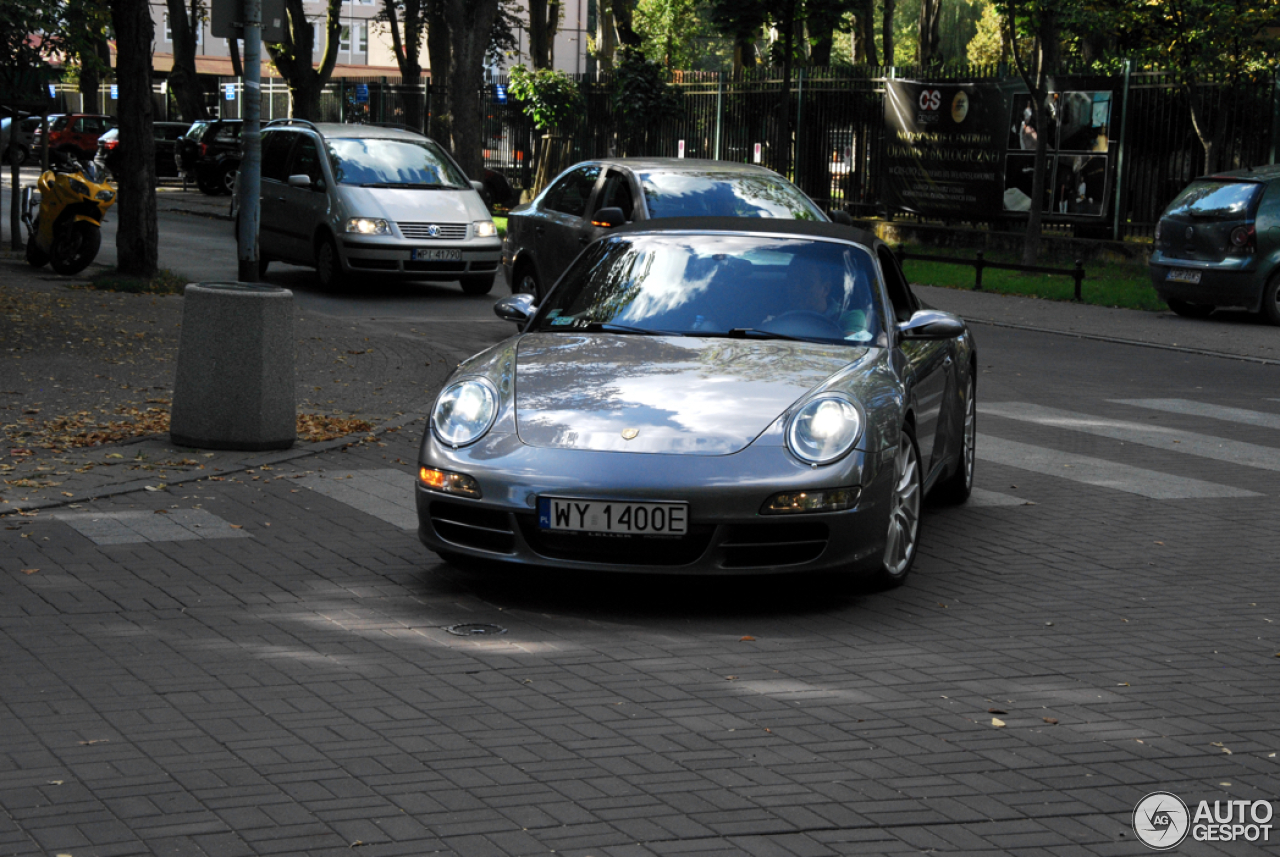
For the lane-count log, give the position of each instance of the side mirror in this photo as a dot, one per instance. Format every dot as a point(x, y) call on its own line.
point(517, 308)
point(300, 180)
point(841, 217)
point(478, 187)
point(608, 218)
point(932, 324)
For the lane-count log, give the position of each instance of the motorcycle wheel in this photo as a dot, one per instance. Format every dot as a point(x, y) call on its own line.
point(36, 257)
point(75, 247)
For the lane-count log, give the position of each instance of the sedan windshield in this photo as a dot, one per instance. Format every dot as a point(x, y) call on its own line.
point(725, 194)
point(386, 162)
point(736, 286)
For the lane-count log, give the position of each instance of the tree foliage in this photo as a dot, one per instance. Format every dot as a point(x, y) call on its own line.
point(551, 98)
point(641, 98)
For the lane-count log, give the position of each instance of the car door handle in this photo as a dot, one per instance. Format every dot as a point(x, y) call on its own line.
point(584, 240)
point(539, 229)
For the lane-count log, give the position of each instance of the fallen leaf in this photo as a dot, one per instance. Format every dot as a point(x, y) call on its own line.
point(55, 782)
point(747, 639)
point(162, 511)
point(734, 677)
point(30, 570)
point(1123, 684)
point(997, 722)
point(1160, 543)
point(237, 526)
point(90, 743)
point(114, 455)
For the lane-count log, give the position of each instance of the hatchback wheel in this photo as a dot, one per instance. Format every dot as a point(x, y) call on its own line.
point(1190, 310)
point(1271, 300)
point(227, 179)
point(527, 283)
point(904, 513)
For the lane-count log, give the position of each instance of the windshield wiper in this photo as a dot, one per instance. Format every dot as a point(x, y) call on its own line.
point(413, 185)
point(756, 333)
point(610, 327)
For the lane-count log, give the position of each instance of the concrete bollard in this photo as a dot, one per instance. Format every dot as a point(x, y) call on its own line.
point(235, 385)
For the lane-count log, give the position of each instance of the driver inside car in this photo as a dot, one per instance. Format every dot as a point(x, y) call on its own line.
point(835, 292)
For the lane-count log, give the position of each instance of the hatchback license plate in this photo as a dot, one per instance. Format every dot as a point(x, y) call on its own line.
point(434, 255)
point(597, 516)
point(1181, 275)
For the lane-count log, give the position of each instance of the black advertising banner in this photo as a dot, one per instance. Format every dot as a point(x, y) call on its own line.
point(946, 142)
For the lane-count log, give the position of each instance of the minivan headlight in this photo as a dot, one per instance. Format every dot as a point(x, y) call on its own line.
point(465, 412)
point(824, 430)
point(368, 226)
point(485, 229)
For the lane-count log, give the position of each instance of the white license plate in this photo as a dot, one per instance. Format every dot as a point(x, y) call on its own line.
point(434, 255)
point(598, 516)
point(1181, 275)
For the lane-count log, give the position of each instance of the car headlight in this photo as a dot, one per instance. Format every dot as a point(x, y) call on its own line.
point(368, 226)
point(485, 229)
point(465, 412)
point(824, 430)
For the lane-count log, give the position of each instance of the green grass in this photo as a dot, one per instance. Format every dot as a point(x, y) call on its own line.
point(1112, 284)
point(163, 283)
point(501, 223)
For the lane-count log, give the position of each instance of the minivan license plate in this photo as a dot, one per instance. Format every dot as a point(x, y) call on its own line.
point(435, 255)
point(597, 516)
point(1181, 275)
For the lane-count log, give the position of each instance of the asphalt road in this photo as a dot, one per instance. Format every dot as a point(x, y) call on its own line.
point(267, 667)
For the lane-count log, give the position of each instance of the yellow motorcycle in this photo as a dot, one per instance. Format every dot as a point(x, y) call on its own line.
point(66, 229)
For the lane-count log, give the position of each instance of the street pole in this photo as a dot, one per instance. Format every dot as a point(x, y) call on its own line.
point(250, 183)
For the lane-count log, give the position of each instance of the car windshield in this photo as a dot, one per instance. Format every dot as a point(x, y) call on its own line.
point(196, 130)
point(1216, 198)
point(740, 286)
point(725, 194)
point(387, 162)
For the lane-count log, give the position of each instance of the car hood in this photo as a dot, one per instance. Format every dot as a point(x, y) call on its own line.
point(683, 395)
point(405, 205)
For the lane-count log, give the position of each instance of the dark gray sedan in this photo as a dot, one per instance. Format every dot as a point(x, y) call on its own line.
point(586, 200)
point(715, 396)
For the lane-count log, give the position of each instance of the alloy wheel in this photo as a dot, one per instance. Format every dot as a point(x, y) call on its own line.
point(904, 511)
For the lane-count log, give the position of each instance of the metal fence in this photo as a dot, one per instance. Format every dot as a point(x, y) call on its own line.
point(836, 140)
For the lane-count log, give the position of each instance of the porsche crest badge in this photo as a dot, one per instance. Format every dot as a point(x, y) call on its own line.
point(630, 434)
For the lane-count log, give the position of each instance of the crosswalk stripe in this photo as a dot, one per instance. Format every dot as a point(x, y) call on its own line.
point(1203, 409)
point(1100, 472)
point(384, 493)
point(1159, 437)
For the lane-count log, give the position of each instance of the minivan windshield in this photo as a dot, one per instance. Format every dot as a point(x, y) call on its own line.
point(387, 162)
point(1216, 198)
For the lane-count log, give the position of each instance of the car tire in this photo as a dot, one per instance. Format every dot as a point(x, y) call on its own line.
point(957, 487)
point(36, 257)
point(480, 284)
point(1190, 310)
point(227, 178)
point(527, 282)
point(1271, 300)
point(329, 264)
point(207, 186)
point(903, 537)
point(263, 264)
point(16, 155)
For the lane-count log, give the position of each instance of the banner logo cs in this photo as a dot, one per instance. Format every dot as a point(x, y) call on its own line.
point(930, 99)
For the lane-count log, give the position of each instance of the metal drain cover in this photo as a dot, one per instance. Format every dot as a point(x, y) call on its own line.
point(470, 630)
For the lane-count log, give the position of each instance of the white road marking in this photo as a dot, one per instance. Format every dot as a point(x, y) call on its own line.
point(1159, 437)
point(125, 528)
point(386, 494)
point(981, 497)
point(1202, 409)
point(1100, 472)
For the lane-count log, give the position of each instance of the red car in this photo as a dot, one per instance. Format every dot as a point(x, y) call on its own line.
point(76, 133)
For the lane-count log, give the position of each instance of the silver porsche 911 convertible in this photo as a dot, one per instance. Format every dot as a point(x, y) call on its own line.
point(707, 396)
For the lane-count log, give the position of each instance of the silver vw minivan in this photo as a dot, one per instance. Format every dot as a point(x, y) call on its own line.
point(357, 201)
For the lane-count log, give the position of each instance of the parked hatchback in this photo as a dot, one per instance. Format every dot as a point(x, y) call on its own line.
point(209, 153)
point(166, 136)
point(76, 134)
point(361, 201)
point(586, 200)
point(1218, 245)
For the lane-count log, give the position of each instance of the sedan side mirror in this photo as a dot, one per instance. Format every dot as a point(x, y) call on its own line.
point(841, 217)
point(608, 218)
point(518, 308)
point(932, 324)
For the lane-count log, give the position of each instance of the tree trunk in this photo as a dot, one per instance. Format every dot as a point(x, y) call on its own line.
point(407, 46)
point(1210, 142)
point(930, 32)
point(623, 21)
point(886, 31)
point(184, 83)
point(293, 57)
point(469, 23)
point(544, 21)
point(1031, 244)
point(440, 51)
point(606, 38)
point(137, 237)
